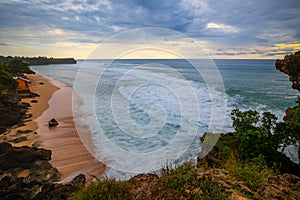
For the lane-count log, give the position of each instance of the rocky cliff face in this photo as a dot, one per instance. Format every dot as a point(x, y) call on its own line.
point(11, 111)
point(290, 65)
point(23, 170)
point(49, 61)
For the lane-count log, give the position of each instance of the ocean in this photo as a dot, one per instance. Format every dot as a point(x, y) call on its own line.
point(146, 114)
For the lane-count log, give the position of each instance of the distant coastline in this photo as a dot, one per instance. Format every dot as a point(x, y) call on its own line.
point(40, 60)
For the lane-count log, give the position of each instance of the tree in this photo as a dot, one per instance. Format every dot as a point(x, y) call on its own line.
point(261, 135)
point(6, 81)
point(17, 67)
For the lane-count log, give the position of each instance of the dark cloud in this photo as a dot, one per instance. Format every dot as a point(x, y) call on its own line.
point(232, 23)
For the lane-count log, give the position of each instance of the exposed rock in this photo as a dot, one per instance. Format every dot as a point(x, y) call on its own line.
point(235, 196)
point(283, 186)
point(24, 157)
point(34, 101)
point(36, 143)
point(12, 112)
point(14, 160)
point(15, 188)
point(290, 65)
point(52, 123)
point(78, 180)
point(212, 159)
point(42, 172)
point(60, 191)
point(18, 139)
point(24, 131)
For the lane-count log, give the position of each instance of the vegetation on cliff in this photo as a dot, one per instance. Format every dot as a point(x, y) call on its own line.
point(11, 110)
point(293, 114)
point(293, 64)
point(49, 61)
point(41, 60)
point(243, 164)
point(7, 83)
point(290, 65)
point(17, 67)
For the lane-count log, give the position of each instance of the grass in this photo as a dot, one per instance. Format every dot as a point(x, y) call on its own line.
point(189, 181)
point(182, 182)
point(252, 173)
point(105, 189)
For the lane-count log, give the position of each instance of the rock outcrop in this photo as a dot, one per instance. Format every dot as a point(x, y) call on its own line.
point(283, 186)
point(23, 170)
point(52, 123)
point(290, 65)
point(38, 60)
point(49, 61)
point(61, 191)
point(12, 111)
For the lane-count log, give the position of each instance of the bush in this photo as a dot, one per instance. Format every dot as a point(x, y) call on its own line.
point(105, 189)
point(293, 63)
point(261, 135)
point(7, 81)
point(17, 67)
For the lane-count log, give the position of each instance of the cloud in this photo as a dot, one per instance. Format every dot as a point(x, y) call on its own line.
point(222, 27)
point(220, 24)
point(291, 46)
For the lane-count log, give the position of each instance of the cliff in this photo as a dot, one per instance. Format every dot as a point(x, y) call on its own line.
point(290, 65)
point(37, 60)
point(49, 61)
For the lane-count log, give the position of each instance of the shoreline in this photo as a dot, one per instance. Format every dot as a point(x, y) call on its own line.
point(69, 154)
point(38, 84)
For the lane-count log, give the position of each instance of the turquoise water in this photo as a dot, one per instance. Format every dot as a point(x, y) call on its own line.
point(144, 113)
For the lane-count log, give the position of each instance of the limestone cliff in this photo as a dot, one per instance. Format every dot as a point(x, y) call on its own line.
point(290, 65)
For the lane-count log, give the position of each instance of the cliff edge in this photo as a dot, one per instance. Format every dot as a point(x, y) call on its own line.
point(290, 65)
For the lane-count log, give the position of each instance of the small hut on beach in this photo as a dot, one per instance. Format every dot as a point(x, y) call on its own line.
point(23, 84)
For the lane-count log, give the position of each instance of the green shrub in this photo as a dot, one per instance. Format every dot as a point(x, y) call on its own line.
point(293, 63)
point(261, 135)
point(106, 189)
point(183, 182)
point(253, 173)
point(7, 81)
point(17, 67)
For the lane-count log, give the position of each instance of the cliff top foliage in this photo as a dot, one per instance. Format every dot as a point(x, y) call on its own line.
point(293, 63)
point(17, 67)
point(241, 163)
point(40, 60)
point(6, 80)
point(261, 135)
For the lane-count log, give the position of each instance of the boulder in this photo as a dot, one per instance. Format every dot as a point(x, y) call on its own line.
point(52, 123)
point(61, 191)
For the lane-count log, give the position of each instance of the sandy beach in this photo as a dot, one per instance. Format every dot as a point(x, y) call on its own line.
point(69, 155)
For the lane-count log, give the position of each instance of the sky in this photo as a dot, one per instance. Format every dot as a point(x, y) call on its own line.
point(223, 28)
